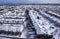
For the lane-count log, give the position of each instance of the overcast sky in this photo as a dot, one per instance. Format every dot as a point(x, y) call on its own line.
point(27, 1)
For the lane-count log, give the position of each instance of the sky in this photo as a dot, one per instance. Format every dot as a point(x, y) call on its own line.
point(28, 1)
